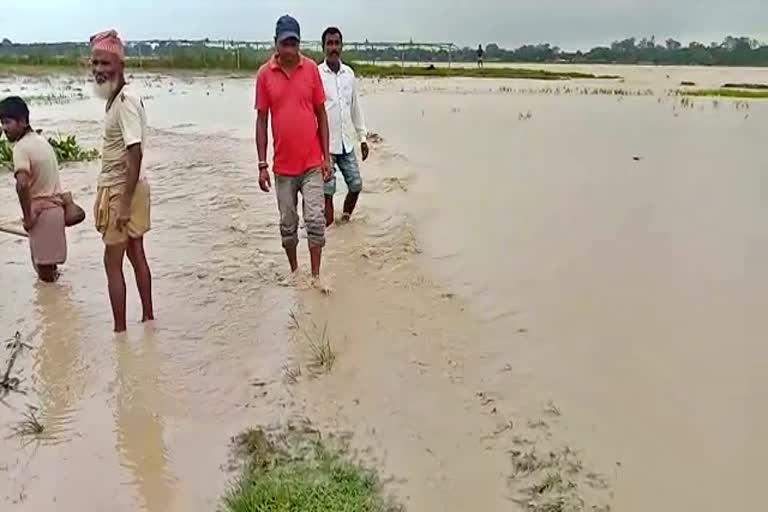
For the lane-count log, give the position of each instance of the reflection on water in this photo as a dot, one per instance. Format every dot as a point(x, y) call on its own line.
point(139, 422)
point(58, 358)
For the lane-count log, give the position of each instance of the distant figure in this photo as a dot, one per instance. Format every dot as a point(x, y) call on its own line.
point(37, 185)
point(122, 196)
point(290, 90)
point(344, 113)
point(480, 54)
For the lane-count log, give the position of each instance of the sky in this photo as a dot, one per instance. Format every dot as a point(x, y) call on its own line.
point(570, 24)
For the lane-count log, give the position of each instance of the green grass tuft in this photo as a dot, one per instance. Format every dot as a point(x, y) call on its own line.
point(296, 473)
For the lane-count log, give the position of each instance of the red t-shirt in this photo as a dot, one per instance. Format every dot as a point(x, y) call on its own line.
point(291, 102)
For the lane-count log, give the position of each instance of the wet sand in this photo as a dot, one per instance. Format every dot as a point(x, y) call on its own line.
point(496, 264)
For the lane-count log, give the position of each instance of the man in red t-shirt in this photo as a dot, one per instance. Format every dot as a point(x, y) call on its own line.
point(289, 88)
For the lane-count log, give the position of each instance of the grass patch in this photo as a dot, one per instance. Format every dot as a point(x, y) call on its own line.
point(725, 93)
point(395, 71)
point(296, 471)
point(759, 87)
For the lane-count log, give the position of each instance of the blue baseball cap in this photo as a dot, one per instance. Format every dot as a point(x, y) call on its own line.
point(287, 28)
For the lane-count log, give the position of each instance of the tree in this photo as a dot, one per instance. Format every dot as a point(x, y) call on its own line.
point(492, 51)
point(673, 45)
point(627, 45)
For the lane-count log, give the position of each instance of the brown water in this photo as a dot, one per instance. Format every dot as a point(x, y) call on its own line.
point(497, 263)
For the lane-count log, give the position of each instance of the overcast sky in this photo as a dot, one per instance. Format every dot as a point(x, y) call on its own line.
point(568, 23)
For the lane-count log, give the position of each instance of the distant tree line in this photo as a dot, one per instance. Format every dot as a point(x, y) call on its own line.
point(732, 51)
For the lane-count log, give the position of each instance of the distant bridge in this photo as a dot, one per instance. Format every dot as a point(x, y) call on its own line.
point(234, 45)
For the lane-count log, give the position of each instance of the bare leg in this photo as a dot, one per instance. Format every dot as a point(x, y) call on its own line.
point(315, 256)
point(293, 260)
point(328, 210)
point(143, 276)
point(113, 264)
point(349, 204)
point(47, 273)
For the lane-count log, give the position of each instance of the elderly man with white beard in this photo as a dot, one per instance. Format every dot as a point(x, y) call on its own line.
point(122, 204)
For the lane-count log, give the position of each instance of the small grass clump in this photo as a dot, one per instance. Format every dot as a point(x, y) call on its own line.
point(298, 472)
point(29, 426)
point(8, 382)
point(726, 93)
point(322, 355)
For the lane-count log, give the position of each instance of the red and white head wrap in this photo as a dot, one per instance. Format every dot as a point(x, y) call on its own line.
point(108, 41)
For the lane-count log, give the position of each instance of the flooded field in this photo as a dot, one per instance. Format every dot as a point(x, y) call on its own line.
point(535, 267)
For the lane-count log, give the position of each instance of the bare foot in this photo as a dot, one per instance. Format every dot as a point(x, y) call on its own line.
point(320, 284)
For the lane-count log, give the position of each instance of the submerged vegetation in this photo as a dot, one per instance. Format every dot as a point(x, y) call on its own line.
point(759, 87)
point(396, 71)
point(296, 471)
point(66, 147)
point(726, 93)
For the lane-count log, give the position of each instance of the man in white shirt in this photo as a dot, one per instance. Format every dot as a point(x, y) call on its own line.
point(345, 123)
point(122, 197)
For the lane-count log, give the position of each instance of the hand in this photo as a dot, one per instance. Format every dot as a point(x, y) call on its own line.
point(326, 168)
point(28, 223)
point(265, 183)
point(364, 150)
point(123, 215)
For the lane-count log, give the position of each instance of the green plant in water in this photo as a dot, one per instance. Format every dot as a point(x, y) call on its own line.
point(6, 152)
point(66, 148)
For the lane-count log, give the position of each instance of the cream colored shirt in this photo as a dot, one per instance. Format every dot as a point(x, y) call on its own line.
point(35, 156)
point(125, 125)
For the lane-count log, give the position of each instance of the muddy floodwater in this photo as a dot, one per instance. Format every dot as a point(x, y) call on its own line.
point(532, 264)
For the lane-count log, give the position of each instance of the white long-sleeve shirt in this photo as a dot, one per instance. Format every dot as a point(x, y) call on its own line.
point(345, 117)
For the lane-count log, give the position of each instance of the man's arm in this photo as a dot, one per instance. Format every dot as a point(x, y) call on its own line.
point(135, 157)
point(322, 129)
point(25, 198)
point(318, 99)
point(131, 128)
point(263, 104)
point(22, 168)
point(262, 139)
point(262, 121)
point(359, 121)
